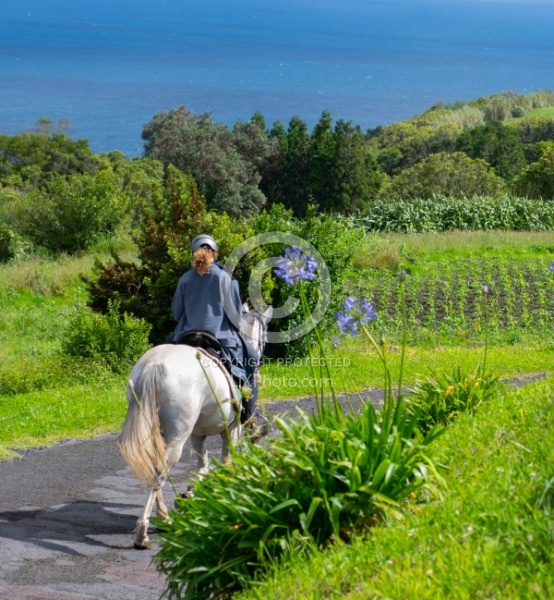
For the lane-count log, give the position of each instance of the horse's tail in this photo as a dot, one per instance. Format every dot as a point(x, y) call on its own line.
point(141, 442)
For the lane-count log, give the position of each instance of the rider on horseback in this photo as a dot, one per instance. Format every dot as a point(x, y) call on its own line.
point(198, 307)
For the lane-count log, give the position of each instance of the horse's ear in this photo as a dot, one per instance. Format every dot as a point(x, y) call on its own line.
point(268, 313)
point(245, 308)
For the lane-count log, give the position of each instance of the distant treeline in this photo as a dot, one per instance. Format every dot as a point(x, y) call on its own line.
point(56, 194)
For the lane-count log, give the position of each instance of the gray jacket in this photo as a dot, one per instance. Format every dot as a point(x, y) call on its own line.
point(198, 304)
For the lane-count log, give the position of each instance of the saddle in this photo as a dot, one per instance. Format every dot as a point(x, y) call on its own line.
point(204, 340)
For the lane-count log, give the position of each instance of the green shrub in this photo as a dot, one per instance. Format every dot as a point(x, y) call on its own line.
point(23, 375)
point(439, 398)
point(337, 239)
point(6, 243)
point(71, 212)
point(328, 475)
point(115, 339)
point(446, 174)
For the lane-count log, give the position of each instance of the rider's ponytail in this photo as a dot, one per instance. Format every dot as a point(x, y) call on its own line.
point(203, 258)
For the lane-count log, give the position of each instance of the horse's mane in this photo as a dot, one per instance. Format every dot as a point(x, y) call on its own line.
point(254, 326)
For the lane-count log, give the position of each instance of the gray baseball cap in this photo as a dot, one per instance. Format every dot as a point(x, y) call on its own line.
point(203, 240)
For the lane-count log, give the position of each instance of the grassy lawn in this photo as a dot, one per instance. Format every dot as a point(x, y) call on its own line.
point(44, 418)
point(356, 368)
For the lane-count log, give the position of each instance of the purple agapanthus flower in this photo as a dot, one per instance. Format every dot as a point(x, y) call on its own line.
point(295, 266)
point(354, 313)
point(551, 265)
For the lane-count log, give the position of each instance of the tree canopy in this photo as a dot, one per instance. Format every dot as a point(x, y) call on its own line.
point(223, 163)
point(443, 174)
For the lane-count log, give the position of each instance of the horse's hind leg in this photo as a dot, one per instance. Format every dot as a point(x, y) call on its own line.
point(161, 508)
point(173, 453)
point(141, 533)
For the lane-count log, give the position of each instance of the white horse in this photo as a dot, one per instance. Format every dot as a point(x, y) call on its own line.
point(176, 393)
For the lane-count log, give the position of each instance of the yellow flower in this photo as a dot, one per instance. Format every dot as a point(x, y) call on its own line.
point(449, 391)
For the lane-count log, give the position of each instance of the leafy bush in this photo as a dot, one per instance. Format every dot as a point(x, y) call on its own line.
point(71, 212)
point(536, 179)
point(31, 159)
point(328, 475)
point(51, 372)
point(6, 243)
point(12, 245)
point(447, 174)
point(336, 238)
point(114, 339)
point(439, 398)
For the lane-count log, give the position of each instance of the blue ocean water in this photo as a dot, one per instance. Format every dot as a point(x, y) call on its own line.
point(109, 65)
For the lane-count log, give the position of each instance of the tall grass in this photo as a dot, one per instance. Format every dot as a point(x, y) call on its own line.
point(46, 395)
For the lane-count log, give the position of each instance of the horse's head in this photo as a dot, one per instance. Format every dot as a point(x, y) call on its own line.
point(254, 326)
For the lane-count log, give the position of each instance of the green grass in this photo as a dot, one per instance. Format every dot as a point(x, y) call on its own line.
point(45, 396)
point(425, 248)
point(491, 536)
point(356, 367)
point(46, 417)
point(539, 113)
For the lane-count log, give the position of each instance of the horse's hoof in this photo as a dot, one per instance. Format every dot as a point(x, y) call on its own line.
point(141, 546)
point(188, 494)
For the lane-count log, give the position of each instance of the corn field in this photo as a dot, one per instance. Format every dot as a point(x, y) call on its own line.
point(503, 213)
